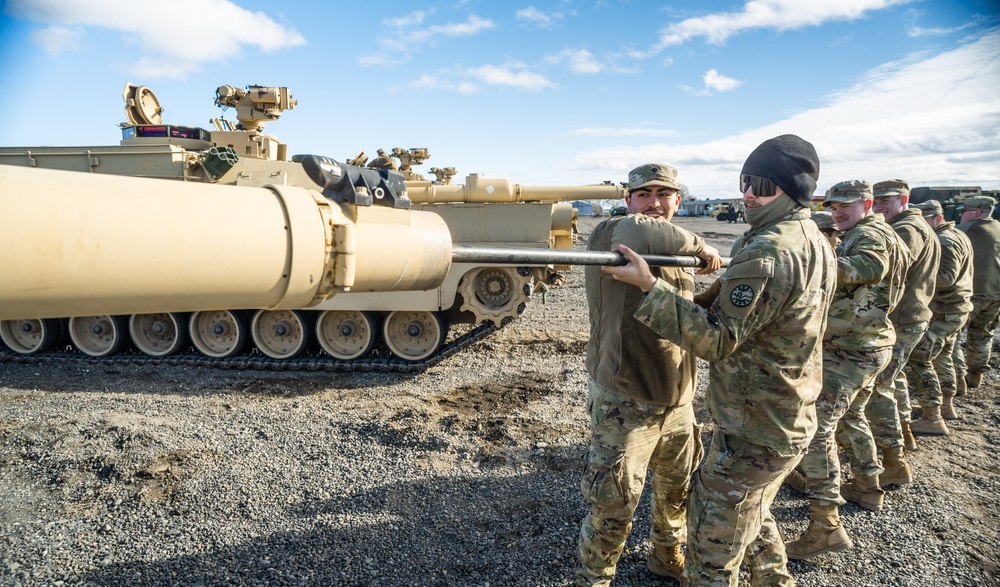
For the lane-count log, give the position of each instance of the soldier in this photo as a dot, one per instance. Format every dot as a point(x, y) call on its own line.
point(762, 335)
point(984, 233)
point(824, 221)
point(889, 408)
point(930, 370)
point(640, 390)
point(871, 266)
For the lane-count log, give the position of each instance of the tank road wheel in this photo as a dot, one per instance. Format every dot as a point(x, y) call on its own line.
point(414, 335)
point(280, 334)
point(345, 334)
point(99, 336)
point(495, 293)
point(28, 337)
point(158, 335)
point(219, 333)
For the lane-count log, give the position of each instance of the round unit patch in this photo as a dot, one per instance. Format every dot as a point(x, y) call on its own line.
point(742, 295)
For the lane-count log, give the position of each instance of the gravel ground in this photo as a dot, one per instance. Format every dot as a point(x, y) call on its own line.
point(466, 474)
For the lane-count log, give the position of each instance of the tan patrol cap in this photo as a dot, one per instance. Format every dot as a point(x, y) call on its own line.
point(848, 191)
point(891, 187)
point(979, 203)
point(824, 220)
point(930, 208)
point(653, 174)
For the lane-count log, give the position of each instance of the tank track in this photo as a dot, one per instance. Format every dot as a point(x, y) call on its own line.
point(258, 361)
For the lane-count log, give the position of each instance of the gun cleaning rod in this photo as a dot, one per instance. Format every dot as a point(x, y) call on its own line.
point(526, 256)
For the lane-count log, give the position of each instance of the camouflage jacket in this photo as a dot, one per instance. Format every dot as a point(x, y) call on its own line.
point(985, 237)
point(623, 356)
point(953, 291)
point(921, 275)
point(871, 268)
point(763, 332)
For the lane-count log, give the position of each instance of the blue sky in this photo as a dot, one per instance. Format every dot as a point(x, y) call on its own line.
point(541, 92)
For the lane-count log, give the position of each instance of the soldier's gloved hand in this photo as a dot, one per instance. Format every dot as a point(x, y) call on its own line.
point(712, 260)
point(636, 272)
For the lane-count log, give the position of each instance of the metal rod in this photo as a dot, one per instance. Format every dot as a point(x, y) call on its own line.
point(525, 256)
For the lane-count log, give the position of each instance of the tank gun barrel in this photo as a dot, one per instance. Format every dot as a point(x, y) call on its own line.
point(500, 190)
point(525, 256)
point(82, 244)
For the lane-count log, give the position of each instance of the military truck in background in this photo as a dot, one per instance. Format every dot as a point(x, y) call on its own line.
point(731, 212)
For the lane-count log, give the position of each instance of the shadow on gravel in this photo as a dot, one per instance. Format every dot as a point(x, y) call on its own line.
point(443, 531)
point(165, 379)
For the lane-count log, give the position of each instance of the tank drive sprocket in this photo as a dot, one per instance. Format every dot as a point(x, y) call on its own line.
point(496, 294)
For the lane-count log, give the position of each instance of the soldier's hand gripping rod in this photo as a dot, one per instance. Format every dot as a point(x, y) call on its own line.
point(525, 256)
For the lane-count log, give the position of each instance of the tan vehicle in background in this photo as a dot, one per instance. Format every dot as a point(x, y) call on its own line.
point(214, 247)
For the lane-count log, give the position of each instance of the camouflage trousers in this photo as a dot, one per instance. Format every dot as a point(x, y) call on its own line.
point(931, 369)
point(853, 431)
point(845, 374)
point(729, 515)
point(979, 337)
point(890, 401)
point(627, 437)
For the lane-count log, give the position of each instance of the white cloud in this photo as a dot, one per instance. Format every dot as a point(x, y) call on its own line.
point(414, 18)
point(516, 76)
point(930, 119)
point(764, 14)
point(917, 31)
point(591, 131)
point(535, 17)
point(56, 39)
point(428, 81)
point(471, 80)
point(407, 34)
point(718, 82)
point(579, 61)
point(213, 29)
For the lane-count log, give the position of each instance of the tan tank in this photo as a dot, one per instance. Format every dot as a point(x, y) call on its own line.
point(215, 246)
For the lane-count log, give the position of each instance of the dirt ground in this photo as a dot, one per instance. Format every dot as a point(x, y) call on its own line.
point(467, 472)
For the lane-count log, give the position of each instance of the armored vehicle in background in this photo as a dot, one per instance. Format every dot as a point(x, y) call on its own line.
point(212, 279)
point(952, 198)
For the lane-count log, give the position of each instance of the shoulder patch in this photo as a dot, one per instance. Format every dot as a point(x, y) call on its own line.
point(742, 295)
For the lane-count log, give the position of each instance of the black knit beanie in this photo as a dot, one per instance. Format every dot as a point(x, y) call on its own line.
point(788, 161)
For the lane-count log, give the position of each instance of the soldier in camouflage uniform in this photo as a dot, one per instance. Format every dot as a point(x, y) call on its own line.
point(640, 390)
point(889, 409)
point(763, 335)
point(930, 370)
point(984, 233)
point(871, 266)
point(824, 221)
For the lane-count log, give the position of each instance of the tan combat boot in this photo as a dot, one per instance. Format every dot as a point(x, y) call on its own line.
point(824, 534)
point(796, 481)
point(667, 561)
point(865, 492)
point(896, 472)
point(932, 424)
point(960, 385)
point(974, 379)
point(948, 411)
point(908, 440)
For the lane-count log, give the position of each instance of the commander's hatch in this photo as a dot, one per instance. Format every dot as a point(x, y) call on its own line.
point(145, 122)
point(141, 105)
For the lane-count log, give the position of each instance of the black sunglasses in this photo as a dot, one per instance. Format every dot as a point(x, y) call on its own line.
point(762, 186)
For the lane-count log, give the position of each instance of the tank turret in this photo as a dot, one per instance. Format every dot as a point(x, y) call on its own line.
point(216, 246)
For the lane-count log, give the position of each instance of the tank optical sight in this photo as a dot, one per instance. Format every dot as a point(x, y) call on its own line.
point(355, 185)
